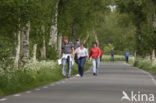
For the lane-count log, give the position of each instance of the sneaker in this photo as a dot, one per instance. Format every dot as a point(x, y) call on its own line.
point(94, 74)
point(78, 75)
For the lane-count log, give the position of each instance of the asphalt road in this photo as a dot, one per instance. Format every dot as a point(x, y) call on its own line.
point(107, 87)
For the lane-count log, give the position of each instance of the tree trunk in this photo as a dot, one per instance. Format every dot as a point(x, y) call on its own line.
point(96, 38)
point(153, 55)
point(54, 29)
point(34, 52)
point(43, 50)
point(18, 49)
point(59, 45)
point(25, 43)
point(72, 33)
point(86, 38)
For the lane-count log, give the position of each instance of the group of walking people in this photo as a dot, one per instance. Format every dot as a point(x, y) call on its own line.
point(80, 54)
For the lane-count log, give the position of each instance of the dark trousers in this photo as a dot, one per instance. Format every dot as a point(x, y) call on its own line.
point(101, 58)
point(112, 58)
point(81, 62)
point(126, 59)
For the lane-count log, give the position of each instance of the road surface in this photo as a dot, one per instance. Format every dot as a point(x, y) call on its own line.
point(107, 87)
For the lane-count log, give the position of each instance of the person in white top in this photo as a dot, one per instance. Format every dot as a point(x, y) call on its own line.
point(82, 54)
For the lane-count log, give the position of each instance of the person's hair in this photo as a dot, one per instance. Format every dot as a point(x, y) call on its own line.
point(77, 39)
point(82, 44)
point(94, 43)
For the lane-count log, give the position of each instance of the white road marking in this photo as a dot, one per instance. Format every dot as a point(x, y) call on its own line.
point(153, 80)
point(28, 92)
point(3, 99)
point(52, 85)
point(37, 89)
point(17, 95)
point(45, 87)
point(58, 83)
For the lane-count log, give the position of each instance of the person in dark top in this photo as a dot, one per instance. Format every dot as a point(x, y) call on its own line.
point(112, 54)
point(77, 46)
point(77, 43)
point(67, 54)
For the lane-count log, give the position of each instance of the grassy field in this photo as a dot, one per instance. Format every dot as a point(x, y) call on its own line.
point(34, 75)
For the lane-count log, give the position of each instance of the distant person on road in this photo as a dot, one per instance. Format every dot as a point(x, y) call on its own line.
point(127, 54)
point(95, 53)
point(112, 54)
point(82, 54)
point(77, 46)
point(67, 54)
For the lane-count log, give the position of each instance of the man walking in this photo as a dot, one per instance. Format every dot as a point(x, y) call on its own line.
point(67, 54)
point(112, 54)
point(127, 54)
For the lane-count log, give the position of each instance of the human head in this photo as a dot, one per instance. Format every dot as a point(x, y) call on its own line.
point(94, 44)
point(65, 40)
point(77, 41)
point(82, 45)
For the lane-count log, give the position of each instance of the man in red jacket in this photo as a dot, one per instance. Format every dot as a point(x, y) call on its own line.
point(95, 54)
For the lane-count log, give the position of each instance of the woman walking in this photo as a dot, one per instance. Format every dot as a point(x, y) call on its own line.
point(95, 53)
point(82, 54)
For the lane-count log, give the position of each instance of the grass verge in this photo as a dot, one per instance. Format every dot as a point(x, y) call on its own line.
point(34, 75)
point(146, 65)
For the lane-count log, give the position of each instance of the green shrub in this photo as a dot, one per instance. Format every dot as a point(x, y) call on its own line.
point(52, 53)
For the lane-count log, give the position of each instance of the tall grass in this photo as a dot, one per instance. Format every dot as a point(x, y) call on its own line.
point(146, 64)
point(33, 75)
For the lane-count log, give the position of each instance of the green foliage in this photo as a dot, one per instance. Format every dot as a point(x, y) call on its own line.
point(76, 17)
point(118, 30)
point(107, 48)
point(146, 65)
point(52, 53)
point(142, 13)
point(6, 62)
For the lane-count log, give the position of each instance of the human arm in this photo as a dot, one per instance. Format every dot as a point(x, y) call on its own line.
point(73, 52)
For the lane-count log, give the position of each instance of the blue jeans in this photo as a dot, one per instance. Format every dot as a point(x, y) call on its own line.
point(95, 64)
point(81, 61)
point(64, 62)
